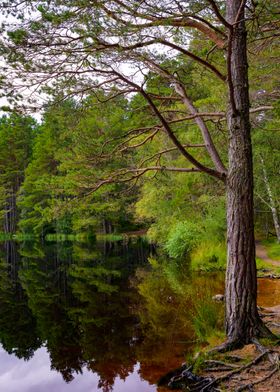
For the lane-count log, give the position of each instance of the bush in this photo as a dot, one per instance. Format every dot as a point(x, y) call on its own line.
point(209, 256)
point(183, 237)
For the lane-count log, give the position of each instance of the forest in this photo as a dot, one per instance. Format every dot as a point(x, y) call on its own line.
point(154, 118)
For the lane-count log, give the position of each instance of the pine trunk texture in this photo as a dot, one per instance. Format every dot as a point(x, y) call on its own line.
point(242, 320)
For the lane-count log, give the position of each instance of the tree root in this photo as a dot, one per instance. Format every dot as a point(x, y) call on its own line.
point(262, 315)
point(251, 384)
point(218, 369)
point(273, 324)
point(233, 358)
point(227, 346)
point(227, 376)
point(220, 363)
point(272, 356)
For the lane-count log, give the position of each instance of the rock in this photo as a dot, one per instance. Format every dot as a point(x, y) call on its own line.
point(218, 297)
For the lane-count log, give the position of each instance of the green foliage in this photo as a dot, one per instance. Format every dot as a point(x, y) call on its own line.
point(207, 317)
point(35, 197)
point(16, 142)
point(273, 249)
point(209, 256)
point(182, 239)
point(18, 36)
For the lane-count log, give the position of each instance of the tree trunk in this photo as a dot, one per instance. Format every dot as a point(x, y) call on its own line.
point(10, 219)
point(242, 320)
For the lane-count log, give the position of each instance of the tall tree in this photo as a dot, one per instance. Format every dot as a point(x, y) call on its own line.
point(81, 46)
point(38, 191)
point(16, 138)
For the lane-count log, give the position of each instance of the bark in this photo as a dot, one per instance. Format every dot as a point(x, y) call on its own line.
point(242, 320)
point(107, 227)
point(10, 219)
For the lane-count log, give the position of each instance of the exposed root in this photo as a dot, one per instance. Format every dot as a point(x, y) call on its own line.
point(233, 358)
point(220, 363)
point(240, 369)
point(272, 356)
point(262, 315)
point(263, 379)
point(227, 346)
point(273, 324)
point(218, 369)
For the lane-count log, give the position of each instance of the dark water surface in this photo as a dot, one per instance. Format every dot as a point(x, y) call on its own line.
point(95, 317)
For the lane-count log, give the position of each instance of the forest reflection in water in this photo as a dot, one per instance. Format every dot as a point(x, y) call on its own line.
point(107, 317)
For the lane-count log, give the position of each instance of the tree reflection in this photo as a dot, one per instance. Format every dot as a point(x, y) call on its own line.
point(110, 331)
point(97, 306)
point(167, 317)
point(49, 298)
point(81, 298)
point(18, 330)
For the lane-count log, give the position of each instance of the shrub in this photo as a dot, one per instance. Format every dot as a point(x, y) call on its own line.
point(183, 237)
point(209, 256)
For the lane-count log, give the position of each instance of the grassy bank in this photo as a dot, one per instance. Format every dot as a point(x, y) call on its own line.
point(79, 237)
point(272, 248)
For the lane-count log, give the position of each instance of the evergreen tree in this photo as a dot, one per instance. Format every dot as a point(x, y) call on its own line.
point(16, 139)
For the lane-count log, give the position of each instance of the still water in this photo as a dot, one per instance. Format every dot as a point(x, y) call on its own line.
point(96, 317)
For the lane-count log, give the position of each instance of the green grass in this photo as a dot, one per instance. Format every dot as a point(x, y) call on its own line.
point(5, 237)
point(110, 237)
point(273, 249)
point(262, 265)
point(207, 319)
point(209, 256)
point(118, 237)
point(59, 237)
point(16, 237)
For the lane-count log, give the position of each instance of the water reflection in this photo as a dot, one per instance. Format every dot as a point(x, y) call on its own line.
point(101, 316)
point(77, 302)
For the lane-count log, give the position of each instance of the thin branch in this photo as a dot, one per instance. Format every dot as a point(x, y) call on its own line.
point(218, 13)
point(160, 153)
point(115, 178)
point(170, 133)
point(240, 11)
point(210, 146)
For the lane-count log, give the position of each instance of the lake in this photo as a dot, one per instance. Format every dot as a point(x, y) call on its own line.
point(100, 316)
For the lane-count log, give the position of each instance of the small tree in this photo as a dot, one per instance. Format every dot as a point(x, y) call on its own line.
point(78, 47)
